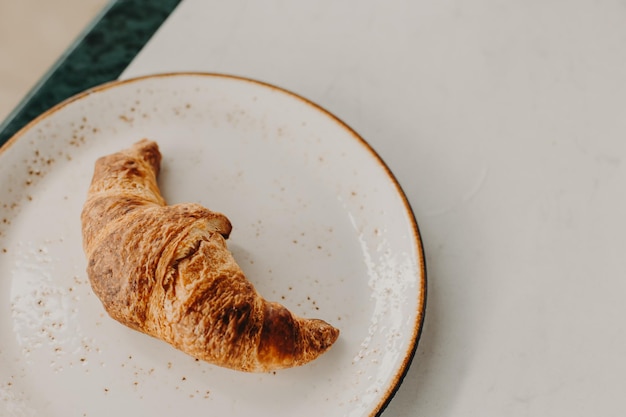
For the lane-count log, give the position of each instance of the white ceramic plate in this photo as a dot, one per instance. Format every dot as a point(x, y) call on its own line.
point(320, 225)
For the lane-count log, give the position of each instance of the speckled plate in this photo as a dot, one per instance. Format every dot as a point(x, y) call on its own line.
point(320, 225)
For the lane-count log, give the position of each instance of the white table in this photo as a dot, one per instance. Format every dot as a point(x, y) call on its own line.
point(505, 124)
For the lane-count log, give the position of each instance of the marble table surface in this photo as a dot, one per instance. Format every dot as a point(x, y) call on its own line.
point(505, 124)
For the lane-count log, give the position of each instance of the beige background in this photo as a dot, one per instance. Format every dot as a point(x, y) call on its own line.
point(33, 34)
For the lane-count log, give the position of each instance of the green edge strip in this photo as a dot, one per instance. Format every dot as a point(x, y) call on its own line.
point(100, 55)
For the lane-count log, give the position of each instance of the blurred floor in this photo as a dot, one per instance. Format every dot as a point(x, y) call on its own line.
point(33, 34)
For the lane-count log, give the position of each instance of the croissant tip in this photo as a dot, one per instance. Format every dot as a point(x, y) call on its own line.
point(323, 334)
point(149, 151)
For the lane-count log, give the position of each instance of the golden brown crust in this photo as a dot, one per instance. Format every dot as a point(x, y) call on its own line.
point(166, 271)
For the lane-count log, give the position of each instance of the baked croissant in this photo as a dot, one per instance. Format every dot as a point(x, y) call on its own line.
point(166, 271)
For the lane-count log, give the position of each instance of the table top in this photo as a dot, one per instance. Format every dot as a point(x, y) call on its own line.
point(504, 124)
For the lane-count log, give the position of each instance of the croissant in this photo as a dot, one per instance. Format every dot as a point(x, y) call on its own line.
point(165, 270)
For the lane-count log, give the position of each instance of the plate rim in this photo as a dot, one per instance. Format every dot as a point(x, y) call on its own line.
point(418, 326)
